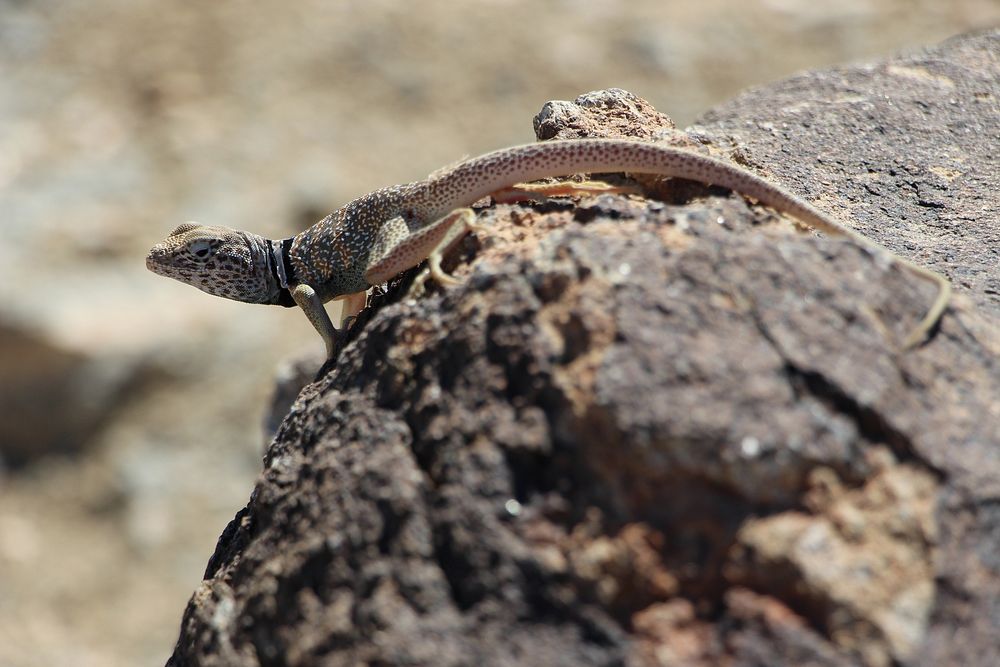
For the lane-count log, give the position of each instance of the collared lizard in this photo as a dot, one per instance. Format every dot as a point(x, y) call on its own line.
point(378, 235)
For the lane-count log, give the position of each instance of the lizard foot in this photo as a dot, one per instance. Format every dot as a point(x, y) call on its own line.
point(458, 224)
point(432, 271)
point(537, 191)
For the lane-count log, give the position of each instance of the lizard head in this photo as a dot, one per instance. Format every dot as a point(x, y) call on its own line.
point(218, 260)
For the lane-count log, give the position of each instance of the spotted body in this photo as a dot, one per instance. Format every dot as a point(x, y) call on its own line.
point(333, 254)
point(387, 231)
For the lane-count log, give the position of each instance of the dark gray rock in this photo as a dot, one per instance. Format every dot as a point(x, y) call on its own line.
point(648, 433)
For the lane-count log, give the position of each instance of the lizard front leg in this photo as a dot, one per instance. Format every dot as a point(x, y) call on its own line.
point(307, 299)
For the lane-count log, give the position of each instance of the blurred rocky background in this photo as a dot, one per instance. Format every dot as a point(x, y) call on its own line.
point(132, 407)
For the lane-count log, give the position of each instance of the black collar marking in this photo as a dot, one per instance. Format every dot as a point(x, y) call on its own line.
point(279, 261)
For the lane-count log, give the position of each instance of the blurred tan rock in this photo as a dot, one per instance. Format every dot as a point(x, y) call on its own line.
point(53, 400)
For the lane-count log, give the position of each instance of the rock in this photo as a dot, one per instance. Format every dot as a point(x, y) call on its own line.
point(290, 377)
point(613, 113)
point(644, 433)
point(54, 399)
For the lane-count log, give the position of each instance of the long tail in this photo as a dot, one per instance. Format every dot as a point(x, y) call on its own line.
point(473, 179)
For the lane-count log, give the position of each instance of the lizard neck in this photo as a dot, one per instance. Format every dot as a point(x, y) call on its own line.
point(251, 275)
point(281, 272)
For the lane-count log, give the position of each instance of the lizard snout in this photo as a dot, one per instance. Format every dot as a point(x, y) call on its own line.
point(155, 257)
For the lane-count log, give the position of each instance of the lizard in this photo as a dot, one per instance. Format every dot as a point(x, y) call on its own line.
point(381, 234)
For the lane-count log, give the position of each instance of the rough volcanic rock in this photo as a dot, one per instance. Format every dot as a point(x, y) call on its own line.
point(647, 433)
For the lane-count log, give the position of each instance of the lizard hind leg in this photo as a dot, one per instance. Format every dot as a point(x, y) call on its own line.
point(430, 242)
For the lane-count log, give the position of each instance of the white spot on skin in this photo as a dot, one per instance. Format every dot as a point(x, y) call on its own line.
point(750, 447)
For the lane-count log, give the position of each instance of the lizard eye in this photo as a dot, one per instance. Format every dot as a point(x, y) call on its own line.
point(201, 248)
